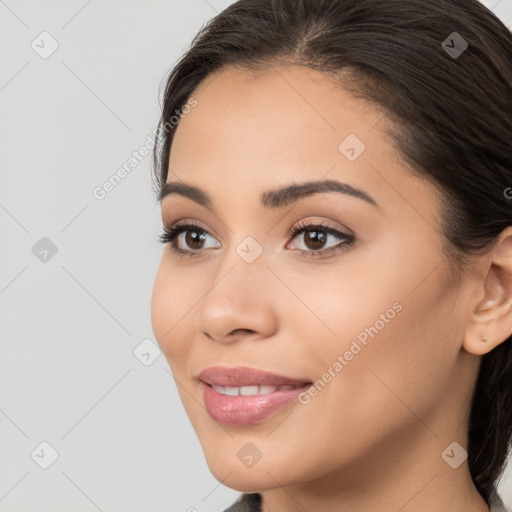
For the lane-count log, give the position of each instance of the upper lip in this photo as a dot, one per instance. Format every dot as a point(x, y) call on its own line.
point(245, 376)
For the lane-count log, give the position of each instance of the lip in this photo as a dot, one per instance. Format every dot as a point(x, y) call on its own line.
point(246, 376)
point(246, 409)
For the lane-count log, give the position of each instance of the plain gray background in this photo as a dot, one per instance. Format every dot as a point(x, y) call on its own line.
point(77, 272)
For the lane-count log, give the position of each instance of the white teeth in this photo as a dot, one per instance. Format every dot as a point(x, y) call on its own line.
point(265, 390)
point(250, 390)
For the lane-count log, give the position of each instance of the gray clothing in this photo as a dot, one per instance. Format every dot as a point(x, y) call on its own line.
point(251, 502)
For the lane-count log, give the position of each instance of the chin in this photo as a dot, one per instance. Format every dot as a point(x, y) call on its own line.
point(267, 473)
point(244, 479)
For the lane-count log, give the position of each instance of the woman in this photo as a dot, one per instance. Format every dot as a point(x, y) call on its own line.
point(335, 294)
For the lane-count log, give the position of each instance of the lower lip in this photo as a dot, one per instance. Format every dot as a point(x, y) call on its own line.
point(246, 409)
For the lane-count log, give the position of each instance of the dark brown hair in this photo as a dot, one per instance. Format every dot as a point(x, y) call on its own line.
point(451, 112)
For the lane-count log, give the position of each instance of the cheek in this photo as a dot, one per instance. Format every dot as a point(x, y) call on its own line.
point(329, 306)
point(395, 328)
point(398, 350)
point(171, 305)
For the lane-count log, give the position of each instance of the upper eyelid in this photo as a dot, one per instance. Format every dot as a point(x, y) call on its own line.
point(305, 225)
point(189, 224)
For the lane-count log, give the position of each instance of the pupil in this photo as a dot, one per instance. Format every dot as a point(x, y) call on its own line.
point(315, 239)
point(194, 238)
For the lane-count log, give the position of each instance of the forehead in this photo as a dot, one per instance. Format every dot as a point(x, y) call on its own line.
point(276, 118)
point(251, 131)
point(250, 108)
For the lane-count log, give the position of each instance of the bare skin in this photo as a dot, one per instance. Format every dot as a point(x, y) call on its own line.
point(373, 437)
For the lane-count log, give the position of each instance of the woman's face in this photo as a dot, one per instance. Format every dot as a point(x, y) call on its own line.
point(367, 308)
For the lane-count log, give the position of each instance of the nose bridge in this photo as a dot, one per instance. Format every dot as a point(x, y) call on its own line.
point(239, 298)
point(243, 272)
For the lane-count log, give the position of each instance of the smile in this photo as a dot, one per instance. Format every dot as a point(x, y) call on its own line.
point(251, 390)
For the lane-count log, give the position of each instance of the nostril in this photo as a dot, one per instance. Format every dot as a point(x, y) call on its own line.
point(238, 331)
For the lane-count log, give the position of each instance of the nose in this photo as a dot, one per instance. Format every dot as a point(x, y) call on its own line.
point(240, 304)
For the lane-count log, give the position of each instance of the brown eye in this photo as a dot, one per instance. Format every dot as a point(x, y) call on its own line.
point(194, 239)
point(314, 239)
point(187, 239)
point(318, 239)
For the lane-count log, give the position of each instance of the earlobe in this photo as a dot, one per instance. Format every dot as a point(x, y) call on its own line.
point(490, 322)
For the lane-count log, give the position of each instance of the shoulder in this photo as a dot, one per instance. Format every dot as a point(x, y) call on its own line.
point(247, 502)
point(497, 505)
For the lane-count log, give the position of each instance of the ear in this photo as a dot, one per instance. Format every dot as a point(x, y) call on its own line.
point(490, 322)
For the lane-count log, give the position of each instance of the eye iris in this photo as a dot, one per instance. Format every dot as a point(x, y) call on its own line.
point(315, 239)
point(194, 239)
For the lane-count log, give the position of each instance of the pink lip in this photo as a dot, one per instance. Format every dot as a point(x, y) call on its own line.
point(246, 409)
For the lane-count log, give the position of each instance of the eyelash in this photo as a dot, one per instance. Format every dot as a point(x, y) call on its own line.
point(169, 234)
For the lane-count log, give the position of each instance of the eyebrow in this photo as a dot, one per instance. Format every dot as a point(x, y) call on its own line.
point(271, 199)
